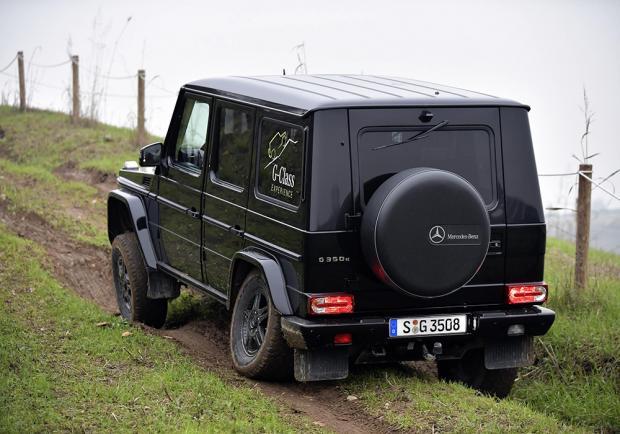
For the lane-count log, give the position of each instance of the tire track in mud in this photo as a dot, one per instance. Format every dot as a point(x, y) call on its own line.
point(86, 270)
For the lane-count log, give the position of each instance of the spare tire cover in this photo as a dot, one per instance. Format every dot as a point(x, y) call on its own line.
point(425, 232)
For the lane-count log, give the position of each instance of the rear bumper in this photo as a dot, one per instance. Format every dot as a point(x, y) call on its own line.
point(302, 333)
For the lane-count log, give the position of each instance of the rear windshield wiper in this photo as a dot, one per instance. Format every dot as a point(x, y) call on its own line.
point(419, 136)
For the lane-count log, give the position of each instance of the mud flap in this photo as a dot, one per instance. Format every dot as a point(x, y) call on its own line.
point(324, 364)
point(162, 286)
point(514, 352)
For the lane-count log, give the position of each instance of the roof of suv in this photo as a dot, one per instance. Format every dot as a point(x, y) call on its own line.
point(304, 93)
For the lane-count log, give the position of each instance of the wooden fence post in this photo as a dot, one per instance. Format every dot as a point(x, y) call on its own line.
point(22, 80)
point(141, 129)
point(582, 240)
point(75, 65)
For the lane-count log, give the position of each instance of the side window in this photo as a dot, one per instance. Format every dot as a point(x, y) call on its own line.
point(281, 157)
point(191, 142)
point(231, 162)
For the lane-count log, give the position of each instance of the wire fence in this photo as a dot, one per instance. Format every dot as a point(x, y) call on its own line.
point(604, 228)
point(27, 80)
point(98, 90)
point(595, 183)
point(9, 64)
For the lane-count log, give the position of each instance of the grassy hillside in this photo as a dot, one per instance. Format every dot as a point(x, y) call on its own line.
point(47, 167)
point(67, 366)
point(41, 156)
point(577, 374)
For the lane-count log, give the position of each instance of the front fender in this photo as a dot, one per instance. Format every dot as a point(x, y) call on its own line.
point(272, 272)
point(136, 214)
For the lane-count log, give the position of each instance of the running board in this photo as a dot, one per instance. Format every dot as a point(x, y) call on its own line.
point(188, 280)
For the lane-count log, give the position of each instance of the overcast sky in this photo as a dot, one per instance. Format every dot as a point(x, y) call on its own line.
point(539, 53)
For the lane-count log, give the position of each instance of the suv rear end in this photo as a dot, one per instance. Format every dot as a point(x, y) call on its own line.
point(487, 269)
point(360, 219)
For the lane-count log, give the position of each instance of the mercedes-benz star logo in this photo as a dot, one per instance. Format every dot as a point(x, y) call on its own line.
point(437, 234)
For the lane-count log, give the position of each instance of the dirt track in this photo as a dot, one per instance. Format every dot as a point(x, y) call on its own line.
point(85, 269)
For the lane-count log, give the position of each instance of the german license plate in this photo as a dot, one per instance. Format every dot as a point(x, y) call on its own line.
point(428, 325)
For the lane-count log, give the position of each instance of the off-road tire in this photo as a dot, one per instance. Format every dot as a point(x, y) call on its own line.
point(135, 306)
point(274, 358)
point(470, 371)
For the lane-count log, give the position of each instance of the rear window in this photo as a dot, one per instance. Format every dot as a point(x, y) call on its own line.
point(466, 152)
point(233, 144)
point(281, 156)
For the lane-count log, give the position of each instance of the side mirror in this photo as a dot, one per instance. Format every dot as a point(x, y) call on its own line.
point(150, 155)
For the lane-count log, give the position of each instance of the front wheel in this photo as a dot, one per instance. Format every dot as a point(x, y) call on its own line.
point(470, 371)
point(256, 342)
point(131, 283)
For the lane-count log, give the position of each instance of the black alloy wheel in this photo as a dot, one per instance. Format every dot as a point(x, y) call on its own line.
point(124, 284)
point(131, 283)
point(257, 346)
point(254, 326)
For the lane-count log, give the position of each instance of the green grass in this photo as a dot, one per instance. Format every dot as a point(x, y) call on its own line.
point(49, 140)
point(71, 206)
point(37, 145)
point(109, 163)
point(63, 372)
point(190, 306)
point(417, 401)
point(577, 374)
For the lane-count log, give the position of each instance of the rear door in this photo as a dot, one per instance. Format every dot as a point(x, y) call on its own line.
point(226, 190)
point(468, 145)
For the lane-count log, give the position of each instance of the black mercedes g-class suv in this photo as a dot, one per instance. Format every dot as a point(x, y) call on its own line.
point(342, 219)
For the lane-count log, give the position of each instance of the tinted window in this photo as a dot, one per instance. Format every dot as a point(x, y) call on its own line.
point(281, 158)
point(234, 141)
point(466, 152)
point(192, 139)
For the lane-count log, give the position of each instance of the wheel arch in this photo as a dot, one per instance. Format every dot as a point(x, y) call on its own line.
point(251, 258)
point(126, 213)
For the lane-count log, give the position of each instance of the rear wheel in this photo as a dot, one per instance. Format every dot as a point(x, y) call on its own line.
point(470, 371)
point(256, 342)
point(131, 283)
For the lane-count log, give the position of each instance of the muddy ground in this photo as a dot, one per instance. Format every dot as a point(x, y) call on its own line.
point(86, 270)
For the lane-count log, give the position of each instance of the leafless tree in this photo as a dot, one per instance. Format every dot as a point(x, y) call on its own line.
point(588, 117)
point(300, 51)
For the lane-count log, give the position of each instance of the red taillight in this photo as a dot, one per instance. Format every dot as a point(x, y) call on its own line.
point(330, 304)
point(527, 293)
point(343, 339)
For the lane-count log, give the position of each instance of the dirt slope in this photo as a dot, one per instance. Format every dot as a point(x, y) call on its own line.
point(85, 269)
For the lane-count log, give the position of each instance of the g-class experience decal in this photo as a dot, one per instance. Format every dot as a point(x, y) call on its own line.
point(277, 146)
point(281, 161)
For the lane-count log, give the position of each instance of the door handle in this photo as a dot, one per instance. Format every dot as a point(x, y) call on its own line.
point(192, 212)
point(236, 229)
